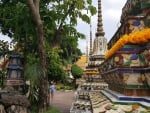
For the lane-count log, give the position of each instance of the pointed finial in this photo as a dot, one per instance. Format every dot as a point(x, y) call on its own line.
point(100, 31)
point(90, 37)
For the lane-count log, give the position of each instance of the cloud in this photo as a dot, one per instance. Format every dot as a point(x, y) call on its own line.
point(112, 14)
point(115, 4)
point(83, 45)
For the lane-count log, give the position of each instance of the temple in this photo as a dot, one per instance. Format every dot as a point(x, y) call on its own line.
point(118, 79)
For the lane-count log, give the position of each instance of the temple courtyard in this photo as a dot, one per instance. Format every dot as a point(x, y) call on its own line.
point(63, 100)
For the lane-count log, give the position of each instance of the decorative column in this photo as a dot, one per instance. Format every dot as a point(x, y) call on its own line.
point(14, 72)
point(12, 98)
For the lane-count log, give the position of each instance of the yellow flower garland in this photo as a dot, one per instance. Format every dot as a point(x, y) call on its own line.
point(137, 37)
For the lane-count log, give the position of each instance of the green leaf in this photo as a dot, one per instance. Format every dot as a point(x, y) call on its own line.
point(92, 10)
point(85, 18)
point(89, 2)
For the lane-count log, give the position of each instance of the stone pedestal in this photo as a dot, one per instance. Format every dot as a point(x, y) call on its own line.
point(12, 99)
point(13, 102)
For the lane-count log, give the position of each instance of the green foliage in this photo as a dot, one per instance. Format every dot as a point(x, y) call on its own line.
point(55, 67)
point(56, 72)
point(32, 69)
point(34, 109)
point(59, 22)
point(64, 87)
point(4, 48)
point(52, 110)
point(76, 71)
point(32, 72)
point(2, 77)
point(17, 23)
point(4, 53)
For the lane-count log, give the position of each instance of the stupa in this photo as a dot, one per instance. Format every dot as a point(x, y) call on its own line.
point(97, 52)
point(13, 99)
point(96, 56)
point(94, 82)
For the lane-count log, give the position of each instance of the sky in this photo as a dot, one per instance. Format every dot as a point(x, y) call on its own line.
point(111, 12)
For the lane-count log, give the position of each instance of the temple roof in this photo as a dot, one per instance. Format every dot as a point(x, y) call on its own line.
point(82, 61)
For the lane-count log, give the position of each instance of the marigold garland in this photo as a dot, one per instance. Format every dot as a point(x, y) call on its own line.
point(137, 37)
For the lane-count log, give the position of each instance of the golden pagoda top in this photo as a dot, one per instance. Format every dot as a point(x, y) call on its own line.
point(82, 61)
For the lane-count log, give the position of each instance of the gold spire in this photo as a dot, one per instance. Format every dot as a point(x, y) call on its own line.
point(100, 31)
point(90, 37)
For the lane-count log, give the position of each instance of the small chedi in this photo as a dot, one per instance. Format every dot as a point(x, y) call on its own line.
point(12, 97)
point(85, 101)
point(96, 53)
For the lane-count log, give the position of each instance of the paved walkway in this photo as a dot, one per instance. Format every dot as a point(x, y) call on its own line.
point(63, 100)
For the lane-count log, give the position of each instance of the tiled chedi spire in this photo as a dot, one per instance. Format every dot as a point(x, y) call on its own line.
point(100, 42)
point(100, 31)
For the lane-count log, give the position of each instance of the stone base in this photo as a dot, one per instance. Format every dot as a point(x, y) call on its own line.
point(13, 109)
point(11, 101)
point(118, 98)
point(130, 92)
point(137, 92)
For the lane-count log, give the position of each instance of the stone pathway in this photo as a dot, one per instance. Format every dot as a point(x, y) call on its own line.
point(63, 100)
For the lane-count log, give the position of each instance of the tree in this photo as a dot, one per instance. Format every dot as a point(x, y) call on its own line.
point(4, 48)
point(76, 71)
point(55, 67)
point(59, 18)
point(51, 24)
point(44, 85)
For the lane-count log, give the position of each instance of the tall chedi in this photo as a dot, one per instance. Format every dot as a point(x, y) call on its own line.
point(100, 42)
point(96, 53)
